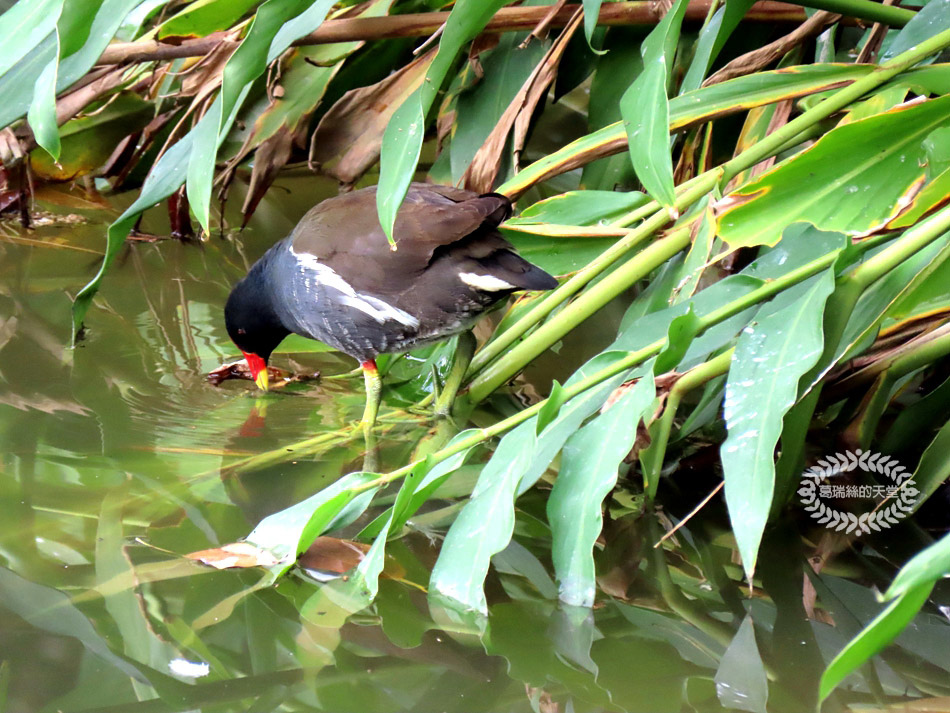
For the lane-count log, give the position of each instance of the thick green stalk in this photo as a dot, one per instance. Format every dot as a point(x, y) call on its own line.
point(618, 280)
point(834, 103)
point(498, 373)
point(850, 286)
point(594, 268)
point(635, 358)
point(864, 10)
point(915, 239)
point(583, 307)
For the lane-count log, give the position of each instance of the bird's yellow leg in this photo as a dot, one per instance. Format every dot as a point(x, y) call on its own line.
point(374, 387)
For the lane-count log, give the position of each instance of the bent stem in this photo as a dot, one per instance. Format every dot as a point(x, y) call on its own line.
point(490, 376)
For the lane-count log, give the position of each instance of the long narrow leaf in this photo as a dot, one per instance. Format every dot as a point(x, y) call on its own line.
point(484, 526)
point(402, 140)
point(772, 354)
point(875, 636)
point(645, 109)
point(589, 466)
point(268, 36)
point(927, 566)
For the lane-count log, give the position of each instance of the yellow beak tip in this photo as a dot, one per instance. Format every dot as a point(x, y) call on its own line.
point(261, 380)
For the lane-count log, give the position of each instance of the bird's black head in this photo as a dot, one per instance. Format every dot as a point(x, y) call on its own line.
point(253, 325)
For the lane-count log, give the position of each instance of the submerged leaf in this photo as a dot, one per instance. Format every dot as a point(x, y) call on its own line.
point(484, 526)
point(236, 554)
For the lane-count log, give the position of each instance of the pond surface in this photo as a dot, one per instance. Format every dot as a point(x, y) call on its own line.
point(118, 457)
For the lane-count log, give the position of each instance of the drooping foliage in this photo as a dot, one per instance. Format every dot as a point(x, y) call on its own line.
point(775, 214)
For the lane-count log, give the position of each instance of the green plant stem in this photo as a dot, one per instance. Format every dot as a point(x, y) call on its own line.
point(913, 240)
point(505, 368)
point(612, 285)
point(864, 10)
point(834, 103)
point(692, 379)
point(463, 357)
point(582, 277)
point(886, 373)
point(634, 358)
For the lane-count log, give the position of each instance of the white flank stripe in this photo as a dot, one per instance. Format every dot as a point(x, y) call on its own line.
point(376, 308)
point(485, 283)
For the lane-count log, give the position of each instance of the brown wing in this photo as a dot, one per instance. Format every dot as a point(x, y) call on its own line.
point(344, 233)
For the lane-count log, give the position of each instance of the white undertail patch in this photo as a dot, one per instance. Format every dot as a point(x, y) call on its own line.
point(485, 283)
point(376, 308)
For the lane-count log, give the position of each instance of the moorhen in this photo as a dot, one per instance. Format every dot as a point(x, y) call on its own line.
point(336, 279)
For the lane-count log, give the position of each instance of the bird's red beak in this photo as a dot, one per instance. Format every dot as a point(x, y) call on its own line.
point(258, 369)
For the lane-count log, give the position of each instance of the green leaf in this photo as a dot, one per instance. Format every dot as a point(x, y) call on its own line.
point(292, 530)
point(741, 680)
point(42, 113)
point(917, 419)
point(688, 274)
point(711, 40)
point(571, 415)
point(402, 140)
point(431, 478)
point(645, 109)
point(24, 26)
point(585, 478)
point(591, 15)
point(371, 566)
point(866, 317)
point(931, 564)
point(552, 405)
point(84, 35)
point(934, 467)
point(655, 325)
point(934, 195)
point(88, 141)
point(702, 105)
point(484, 526)
point(934, 17)
point(16, 84)
point(50, 610)
point(615, 71)
point(782, 343)
point(558, 256)
point(202, 17)
point(479, 108)
point(82, 32)
point(581, 208)
point(163, 180)
point(885, 627)
point(853, 180)
point(276, 25)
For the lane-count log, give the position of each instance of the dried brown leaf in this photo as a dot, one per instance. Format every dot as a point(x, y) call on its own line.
point(271, 156)
point(204, 76)
point(481, 173)
point(762, 57)
point(351, 132)
point(236, 555)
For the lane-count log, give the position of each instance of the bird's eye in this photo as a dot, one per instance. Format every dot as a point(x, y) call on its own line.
point(241, 331)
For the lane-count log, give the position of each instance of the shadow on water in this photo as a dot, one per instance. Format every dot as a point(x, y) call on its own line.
point(116, 460)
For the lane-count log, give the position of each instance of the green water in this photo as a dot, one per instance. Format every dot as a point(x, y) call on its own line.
point(118, 457)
